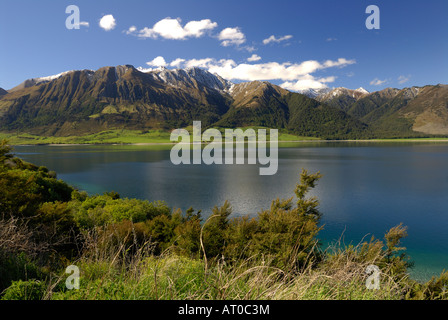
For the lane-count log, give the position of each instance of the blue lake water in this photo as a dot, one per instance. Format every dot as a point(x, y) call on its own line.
point(366, 188)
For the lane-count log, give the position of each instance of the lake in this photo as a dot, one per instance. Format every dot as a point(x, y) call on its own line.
point(366, 188)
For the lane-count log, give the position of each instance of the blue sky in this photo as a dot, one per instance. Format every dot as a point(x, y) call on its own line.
point(312, 43)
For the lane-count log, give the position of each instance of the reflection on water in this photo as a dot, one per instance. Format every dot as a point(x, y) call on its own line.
point(366, 188)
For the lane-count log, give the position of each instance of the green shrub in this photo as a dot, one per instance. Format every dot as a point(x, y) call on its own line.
point(25, 290)
point(23, 191)
point(434, 289)
point(239, 237)
point(187, 234)
point(124, 234)
point(55, 225)
point(215, 229)
point(17, 266)
point(106, 209)
point(286, 234)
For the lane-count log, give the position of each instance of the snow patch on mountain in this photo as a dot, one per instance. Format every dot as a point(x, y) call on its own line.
point(338, 92)
point(189, 77)
point(314, 93)
point(53, 77)
point(362, 90)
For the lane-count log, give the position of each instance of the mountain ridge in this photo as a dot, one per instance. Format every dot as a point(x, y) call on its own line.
point(87, 101)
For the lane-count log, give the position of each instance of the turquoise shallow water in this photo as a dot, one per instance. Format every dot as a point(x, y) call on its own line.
point(366, 188)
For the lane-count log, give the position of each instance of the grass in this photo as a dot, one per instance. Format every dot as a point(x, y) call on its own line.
point(174, 277)
point(104, 137)
point(116, 137)
point(116, 272)
point(412, 139)
point(163, 137)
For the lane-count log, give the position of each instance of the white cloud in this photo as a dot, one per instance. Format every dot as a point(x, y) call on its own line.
point(157, 62)
point(177, 63)
point(108, 22)
point(275, 39)
point(172, 29)
point(231, 36)
point(249, 48)
point(328, 79)
point(131, 30)
point(296, 76)
point(200, 63)
point(307, 82)
point(254, 58)
point(84, 24)
point(377, 82)
point(181, 63)
point(341, 62)
point(403, 79)
point(271, 70)
point(331, 39)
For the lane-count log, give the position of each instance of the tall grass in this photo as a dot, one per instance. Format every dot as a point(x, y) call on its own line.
point(111, 271)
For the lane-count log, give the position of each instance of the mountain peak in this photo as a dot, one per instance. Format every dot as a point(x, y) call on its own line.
point(36, 81)
point(362, 90)
point(341, 91)
point(190, 77)
point(314, 93)
point(254, 93)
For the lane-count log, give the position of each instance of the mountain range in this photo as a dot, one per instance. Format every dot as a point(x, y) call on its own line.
point(87, 101)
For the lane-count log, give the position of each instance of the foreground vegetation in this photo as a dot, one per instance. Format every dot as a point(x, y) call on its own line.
point(135, 249)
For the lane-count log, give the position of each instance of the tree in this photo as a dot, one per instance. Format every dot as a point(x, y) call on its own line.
point(307, 207)
point(215, 229)
point(285, 234)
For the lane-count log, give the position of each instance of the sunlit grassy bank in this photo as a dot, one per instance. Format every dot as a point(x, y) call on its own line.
point(162, 137)
point(117, 137)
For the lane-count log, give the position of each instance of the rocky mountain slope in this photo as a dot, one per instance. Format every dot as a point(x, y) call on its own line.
point(86, 101)
point(90, 101)
point(342, 98)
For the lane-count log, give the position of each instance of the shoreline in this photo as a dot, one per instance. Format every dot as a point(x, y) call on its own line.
point(279, 142)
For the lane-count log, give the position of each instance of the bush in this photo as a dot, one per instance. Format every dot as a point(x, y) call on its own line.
point(23, 191)
point(434, 289)
point(25, 290)
point(54, 224)
point(125, 235)
point(161, 232)
point(18, 252)
point(187, 234)
point(285, 234)
point(215, 229)
point(106, 209)
point(14, 267)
